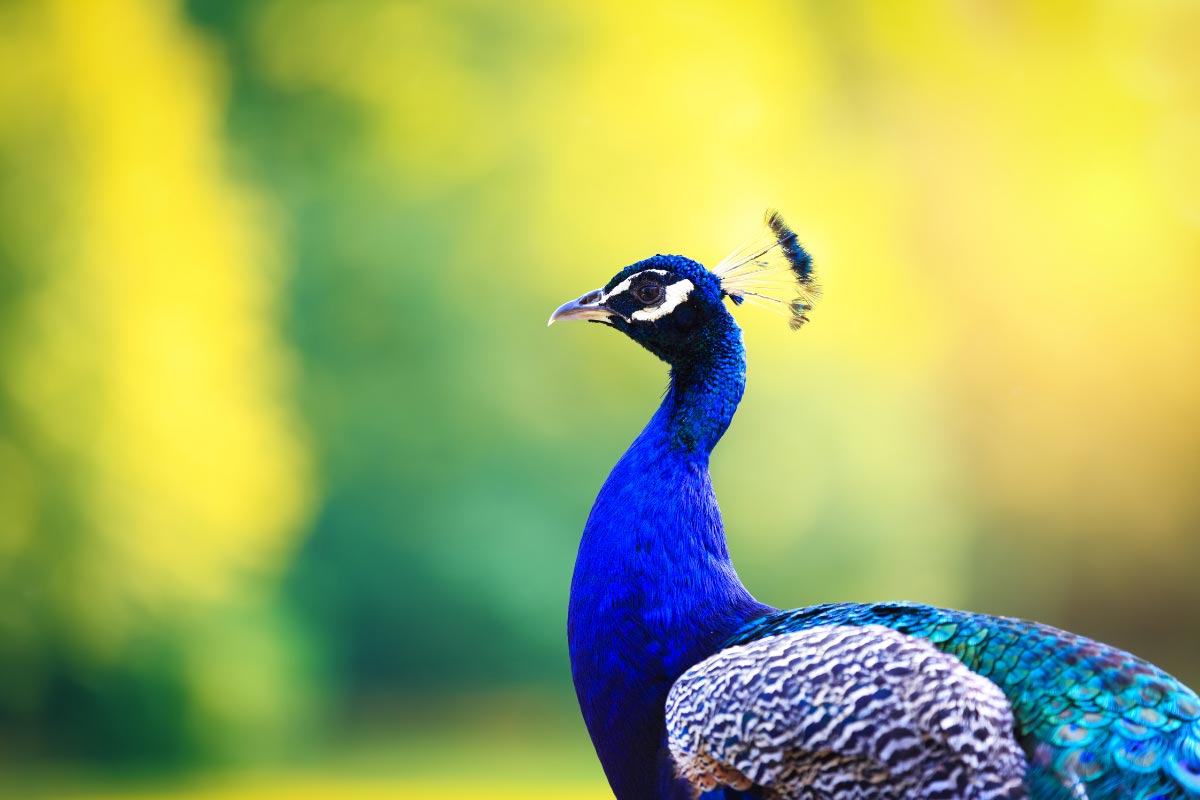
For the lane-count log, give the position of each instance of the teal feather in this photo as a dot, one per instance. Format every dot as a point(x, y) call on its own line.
point(1095, 721)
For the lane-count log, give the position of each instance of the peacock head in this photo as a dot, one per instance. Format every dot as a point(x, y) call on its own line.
point(674, 307)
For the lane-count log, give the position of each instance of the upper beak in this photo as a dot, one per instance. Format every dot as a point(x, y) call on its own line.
point(586, 307)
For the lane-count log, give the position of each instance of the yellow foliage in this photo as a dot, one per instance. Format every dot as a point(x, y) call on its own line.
point(318, 787)
point(151, 371)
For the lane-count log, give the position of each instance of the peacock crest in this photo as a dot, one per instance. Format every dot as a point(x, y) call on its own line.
point(773, 271)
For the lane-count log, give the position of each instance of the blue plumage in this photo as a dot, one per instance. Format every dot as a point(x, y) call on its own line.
point(837, 701)
point(653, 562)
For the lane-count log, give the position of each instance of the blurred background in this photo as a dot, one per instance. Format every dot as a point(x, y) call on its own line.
point(292, 473)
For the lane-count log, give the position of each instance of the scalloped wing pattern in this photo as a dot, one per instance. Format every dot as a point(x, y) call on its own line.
point(854, 713)
point(1096, 723)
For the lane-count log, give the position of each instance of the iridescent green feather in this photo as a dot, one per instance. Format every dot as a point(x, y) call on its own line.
point(1095, 721)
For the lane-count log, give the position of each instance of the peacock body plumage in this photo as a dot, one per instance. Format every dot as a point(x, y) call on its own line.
point(811, 713)
point(691, 687)
point(1094, 721)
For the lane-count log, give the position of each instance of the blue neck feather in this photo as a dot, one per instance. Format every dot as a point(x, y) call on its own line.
point(654, 590)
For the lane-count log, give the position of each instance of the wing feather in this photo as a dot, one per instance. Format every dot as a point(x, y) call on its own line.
point(843, 712)
point(1095, 721)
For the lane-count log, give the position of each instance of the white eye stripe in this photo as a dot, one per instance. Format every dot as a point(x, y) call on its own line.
point(624, 285)
point(676, 293)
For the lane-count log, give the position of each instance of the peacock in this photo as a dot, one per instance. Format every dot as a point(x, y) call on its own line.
point(691, 688)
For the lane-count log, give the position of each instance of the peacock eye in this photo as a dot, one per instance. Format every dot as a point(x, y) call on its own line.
point(649, 293)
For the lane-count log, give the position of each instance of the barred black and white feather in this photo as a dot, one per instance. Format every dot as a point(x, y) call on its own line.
point(844, 713)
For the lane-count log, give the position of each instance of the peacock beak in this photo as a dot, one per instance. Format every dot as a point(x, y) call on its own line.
point(586, 307)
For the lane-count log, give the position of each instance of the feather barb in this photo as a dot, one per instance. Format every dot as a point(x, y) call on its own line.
point(772, 270)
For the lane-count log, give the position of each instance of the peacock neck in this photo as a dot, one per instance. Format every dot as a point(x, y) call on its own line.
point(654, 590)
point(706, 387)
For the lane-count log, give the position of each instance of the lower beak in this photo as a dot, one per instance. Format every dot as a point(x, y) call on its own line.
point(586, 307)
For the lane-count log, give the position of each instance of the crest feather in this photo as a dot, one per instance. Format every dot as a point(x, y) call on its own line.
point(772, 271)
